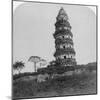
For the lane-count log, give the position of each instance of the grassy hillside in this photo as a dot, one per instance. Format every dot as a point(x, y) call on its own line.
point(84, 83)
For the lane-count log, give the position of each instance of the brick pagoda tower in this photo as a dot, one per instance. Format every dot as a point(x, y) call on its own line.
point(65, 53)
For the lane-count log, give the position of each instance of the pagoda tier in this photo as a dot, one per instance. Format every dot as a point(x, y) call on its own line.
point(69, 52)
point(66, 62)
point(63, 23)
point(65, 53)
point(64, 31)
point(67, 41)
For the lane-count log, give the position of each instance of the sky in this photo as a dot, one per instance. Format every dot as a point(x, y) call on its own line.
point(33, 28)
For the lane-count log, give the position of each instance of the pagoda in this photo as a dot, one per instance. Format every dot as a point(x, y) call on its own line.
point(65, 53)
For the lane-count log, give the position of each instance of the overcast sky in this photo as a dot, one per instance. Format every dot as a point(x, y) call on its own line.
point(33, 28)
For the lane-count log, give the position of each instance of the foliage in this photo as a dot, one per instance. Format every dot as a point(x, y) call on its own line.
point(53, 62)
point(51, 69)
point(17, 76)
point(18, 65)
point(83, 83)
point(91, 68)
point(42, 62)
point(88, 67)
point(35, 60)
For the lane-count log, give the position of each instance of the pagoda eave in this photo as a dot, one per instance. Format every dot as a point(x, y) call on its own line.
point(62, 32)
point(63, 23)
point(67, 41)
point(64, 52)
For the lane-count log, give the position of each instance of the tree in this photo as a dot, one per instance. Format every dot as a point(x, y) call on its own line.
point(43, 62)
point(53, 63)
point(18, 65)
point(35, 60)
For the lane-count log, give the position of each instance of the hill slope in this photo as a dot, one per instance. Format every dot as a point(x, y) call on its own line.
point(66, 85)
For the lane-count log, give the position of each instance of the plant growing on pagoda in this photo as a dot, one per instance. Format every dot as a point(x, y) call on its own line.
point(18, 65)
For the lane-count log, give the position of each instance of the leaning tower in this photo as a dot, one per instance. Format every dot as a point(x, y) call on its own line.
point(65, 53)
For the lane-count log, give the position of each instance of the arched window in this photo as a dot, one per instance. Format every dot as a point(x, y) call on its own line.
point(63, 37)
point(64, 47)
point(64, 57)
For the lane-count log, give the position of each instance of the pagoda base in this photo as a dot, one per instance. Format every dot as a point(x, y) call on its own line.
point(66, 62)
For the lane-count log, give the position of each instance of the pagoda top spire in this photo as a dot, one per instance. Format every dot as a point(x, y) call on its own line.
point(62, 11)
point(62, 14)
